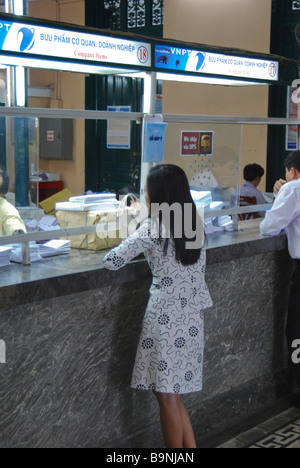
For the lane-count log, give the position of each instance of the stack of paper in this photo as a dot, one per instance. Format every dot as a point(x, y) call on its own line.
point(210, 228)
point(71, 206)
point(215, 206)
point(48, 223)
point(93, 198)
point(4, 256)
point(104, 205)
point(225, 222)
point(54, 247)
point(16, 253)
point(203, 198)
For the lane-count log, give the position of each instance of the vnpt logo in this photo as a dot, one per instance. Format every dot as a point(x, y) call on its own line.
point(201, 61)
point(26, 39)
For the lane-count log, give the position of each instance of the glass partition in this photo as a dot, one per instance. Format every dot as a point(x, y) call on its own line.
point(210, 156)
point(19, 165)
point(44, 162)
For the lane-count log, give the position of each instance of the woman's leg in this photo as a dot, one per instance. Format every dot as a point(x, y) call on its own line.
point(188, 433)
point(175, 422)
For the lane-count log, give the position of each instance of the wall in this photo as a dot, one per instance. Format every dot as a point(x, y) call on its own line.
point(206, 171)
point(243, 24)
point(68, 91)
point(235, 23)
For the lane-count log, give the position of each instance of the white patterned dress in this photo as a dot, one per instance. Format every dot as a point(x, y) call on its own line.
point(169, 358)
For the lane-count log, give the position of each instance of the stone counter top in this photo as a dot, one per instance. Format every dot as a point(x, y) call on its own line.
point(83, 270)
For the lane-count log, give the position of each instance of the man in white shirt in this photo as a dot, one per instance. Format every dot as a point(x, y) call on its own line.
point(285, 214)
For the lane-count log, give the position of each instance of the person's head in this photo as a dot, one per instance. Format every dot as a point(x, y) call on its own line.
point(168, 184)
point(126, 191)
point(253, 173)
point(292, 166)
point(4, 181)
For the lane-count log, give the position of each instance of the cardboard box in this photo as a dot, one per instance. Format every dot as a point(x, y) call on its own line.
point(48, 205)
point(106, 237)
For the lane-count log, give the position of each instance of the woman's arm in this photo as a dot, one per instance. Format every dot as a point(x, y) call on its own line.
point(132, 247)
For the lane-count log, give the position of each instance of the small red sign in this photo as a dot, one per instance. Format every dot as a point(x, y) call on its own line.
point(50, 136)
point(193, 143)
point(190, 143)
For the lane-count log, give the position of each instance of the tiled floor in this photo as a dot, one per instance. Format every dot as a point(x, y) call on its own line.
point(281, 431)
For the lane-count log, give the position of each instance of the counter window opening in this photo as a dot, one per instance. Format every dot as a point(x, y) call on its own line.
point(214, 179)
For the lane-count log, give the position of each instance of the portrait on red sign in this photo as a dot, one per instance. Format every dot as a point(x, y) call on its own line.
point(206, 143)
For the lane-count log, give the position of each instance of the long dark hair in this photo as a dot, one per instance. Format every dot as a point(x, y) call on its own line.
point(168, 184)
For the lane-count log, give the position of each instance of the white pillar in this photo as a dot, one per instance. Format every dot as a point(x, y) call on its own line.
point(150, 86)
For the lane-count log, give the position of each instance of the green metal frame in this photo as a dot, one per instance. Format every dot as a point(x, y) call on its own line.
point(283, 42)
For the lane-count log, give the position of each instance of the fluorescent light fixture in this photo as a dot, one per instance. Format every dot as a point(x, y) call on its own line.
point(147, 94)
point(204, 80)
point(194, 79)
point(9, 74)
point(18, 7)
point(57, 65)
point(20, 86)
point(129, 74)
point(39, 91)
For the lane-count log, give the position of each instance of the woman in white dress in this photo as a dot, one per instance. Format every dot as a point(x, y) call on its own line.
point(169, 358)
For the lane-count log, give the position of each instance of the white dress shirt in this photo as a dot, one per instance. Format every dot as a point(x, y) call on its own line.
point(285, 214)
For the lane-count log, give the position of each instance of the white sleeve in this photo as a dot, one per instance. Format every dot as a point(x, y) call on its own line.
point(284, 211)
point(132, 247)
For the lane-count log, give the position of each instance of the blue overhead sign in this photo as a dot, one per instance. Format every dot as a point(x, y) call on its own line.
point(172, 58)
point(48, 42)
point(37, 43)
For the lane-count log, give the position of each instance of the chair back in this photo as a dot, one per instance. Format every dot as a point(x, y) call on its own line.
point(248, 201)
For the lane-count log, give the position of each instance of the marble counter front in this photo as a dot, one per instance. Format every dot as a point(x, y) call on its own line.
point(71, 329)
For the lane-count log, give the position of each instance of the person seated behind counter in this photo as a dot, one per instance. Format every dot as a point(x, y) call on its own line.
point(253, 173)
point(10, 220)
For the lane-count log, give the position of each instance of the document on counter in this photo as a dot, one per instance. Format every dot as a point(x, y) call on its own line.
point(5, 253)
point(17, 257)
point(55, 247)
